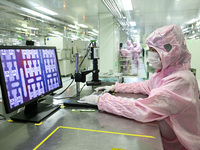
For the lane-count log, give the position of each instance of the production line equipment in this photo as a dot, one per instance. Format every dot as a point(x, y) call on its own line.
point(80, 76)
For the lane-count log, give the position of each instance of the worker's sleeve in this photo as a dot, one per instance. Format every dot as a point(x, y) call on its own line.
point(140, 87)
point(162, 102)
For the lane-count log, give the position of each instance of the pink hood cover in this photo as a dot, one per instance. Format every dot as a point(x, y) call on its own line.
point(171, 46)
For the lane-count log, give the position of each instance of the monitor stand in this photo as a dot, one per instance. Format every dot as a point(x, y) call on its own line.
point(35, 112)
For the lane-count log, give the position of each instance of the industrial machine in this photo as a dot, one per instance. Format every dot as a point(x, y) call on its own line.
point(80, 76)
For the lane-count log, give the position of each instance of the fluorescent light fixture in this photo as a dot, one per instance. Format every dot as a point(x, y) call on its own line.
point(72, 30)
point(192, 21)
point(74, 36)
point(186, 32)
point(54, 35)
point(21, 29)
point(95, 31)
point(127, 4)
point(92, 33)
point(58, 33)
point(32, 28)
point(36, 13)
point(45, 10)
point(82, 25)
point(32, 34)
point(20, 32)
point(184, 29)
point(132, 23)
point(72, 26)
point(31, 17)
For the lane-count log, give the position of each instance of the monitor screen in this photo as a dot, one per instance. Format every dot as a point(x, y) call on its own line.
point(27, 74)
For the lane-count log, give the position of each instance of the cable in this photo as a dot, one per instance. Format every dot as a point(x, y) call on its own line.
point(82, 87)
point(64, 89)
point(69, 97)
point(88, 49)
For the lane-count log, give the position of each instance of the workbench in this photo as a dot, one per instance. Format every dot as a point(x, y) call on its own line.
point(73, 130)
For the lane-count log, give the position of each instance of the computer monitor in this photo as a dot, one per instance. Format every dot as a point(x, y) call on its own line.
point(27, 74)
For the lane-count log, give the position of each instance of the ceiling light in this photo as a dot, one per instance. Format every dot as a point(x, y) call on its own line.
point(45, 10)
point(21, 29)
point(32, 34)
point(54, 35)
point(95, 31)
point(186, 29)
point(92, 33)
point(36, 13)
point(72, 26)
point(31, 28)
point(127, 4)
point(82, 25)
point(192, 21)
point(186, 32)
point(58, 33)
point(132, 23)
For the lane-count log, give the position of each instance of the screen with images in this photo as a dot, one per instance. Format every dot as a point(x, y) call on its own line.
point(28, 73)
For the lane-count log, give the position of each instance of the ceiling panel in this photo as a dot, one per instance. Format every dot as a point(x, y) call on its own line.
point(148, 14)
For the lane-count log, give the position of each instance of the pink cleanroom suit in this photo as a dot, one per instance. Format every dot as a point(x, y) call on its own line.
point(173, 93)
point(136, 51)
point(129, 48)
point(129, 45)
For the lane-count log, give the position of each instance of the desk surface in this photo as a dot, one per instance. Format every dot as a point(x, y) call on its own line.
point(81, 130)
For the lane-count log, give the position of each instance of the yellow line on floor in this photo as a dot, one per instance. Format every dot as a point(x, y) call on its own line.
point(100, 131)
point(46, 138)
point(138, 135)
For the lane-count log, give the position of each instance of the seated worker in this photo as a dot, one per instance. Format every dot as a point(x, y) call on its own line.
point(173, 95)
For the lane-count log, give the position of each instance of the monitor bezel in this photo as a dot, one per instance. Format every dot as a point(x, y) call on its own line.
point(3, 83)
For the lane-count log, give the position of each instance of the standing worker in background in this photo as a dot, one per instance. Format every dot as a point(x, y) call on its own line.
point(173, 93)
point(129, 45)
point(136, 54)
point(130, 48)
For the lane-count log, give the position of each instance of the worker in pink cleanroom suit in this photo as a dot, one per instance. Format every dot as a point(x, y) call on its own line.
point(136, 53)
point(129, 45)
point(130, 48)
point(126, 55)
point(173, 93)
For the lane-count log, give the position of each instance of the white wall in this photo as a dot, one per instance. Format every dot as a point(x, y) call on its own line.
point(108, 43)
point(194, 49)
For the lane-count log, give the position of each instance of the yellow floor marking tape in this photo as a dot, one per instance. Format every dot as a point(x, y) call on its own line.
point(46, 138)
point(62, 106)
point(147, 136)
point(138, 135)
point(38, 124)
point(118, 149)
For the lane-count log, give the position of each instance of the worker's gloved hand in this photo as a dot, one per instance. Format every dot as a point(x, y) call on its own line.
point(106, 88)
point(91, 99)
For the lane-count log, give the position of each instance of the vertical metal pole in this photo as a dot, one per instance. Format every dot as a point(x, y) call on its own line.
point(77, 70)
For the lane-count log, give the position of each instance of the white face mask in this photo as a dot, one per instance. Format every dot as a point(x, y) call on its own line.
point(154, 60)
